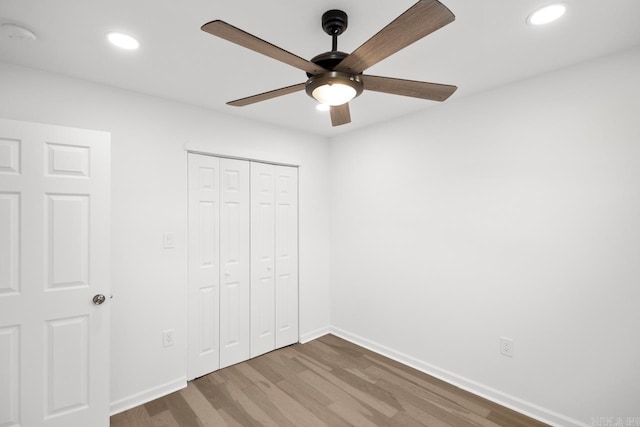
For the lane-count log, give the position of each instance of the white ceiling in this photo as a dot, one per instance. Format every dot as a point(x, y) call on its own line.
point(488, 45)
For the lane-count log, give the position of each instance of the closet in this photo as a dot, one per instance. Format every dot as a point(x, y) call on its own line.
point(243, 260)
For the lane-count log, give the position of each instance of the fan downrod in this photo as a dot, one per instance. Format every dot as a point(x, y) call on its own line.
point(334, 23)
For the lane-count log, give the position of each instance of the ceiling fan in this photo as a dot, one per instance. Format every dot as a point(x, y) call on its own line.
point(334, 78)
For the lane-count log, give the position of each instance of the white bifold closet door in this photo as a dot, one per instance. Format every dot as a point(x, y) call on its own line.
point(204, 265)
point(219, 263)
point(274, 257)
point(286, 255)
point(234, 262)
point(243, 260)
point(263, 251)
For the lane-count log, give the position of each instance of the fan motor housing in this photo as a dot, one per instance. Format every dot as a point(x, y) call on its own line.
point(328, 60)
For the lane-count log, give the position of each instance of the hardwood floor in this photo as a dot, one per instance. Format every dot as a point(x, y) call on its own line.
point(326, 382)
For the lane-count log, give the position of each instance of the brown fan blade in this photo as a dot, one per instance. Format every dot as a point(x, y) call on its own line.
point(244, 39)
point(419, 20)
point(415, 89)
point(267, 95)
point(340, 115)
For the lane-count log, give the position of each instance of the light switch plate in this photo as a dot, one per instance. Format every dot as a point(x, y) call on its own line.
point(168, 337)
point(168, 239)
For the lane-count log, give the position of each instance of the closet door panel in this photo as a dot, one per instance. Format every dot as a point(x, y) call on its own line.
point(262, 258)
point(234, 262)
point(243, 261)
point(204, 267)
point(286, 255)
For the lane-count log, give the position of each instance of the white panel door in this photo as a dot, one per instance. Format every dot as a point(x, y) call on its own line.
point(54, 258)
point(234, 262)
point(204, 265)
point(286, 255)
point(263, 302)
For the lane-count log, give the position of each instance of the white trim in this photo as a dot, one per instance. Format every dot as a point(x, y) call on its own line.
point(501, 398)
point(534, 411)
point(147, 395)
point(240, 154)
point(310, 336)
point(245, 159)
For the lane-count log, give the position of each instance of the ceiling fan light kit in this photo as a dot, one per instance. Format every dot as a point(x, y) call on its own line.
point(334, 78)
point(334, 88)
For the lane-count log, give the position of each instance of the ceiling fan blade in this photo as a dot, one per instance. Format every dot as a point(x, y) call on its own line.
point(244, 39)
point(419, 20)
point(340, 115)
point(415, 89)
point(266, 95)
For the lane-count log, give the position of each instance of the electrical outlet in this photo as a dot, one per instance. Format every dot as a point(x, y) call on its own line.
point(168, 337)
point(506, 346)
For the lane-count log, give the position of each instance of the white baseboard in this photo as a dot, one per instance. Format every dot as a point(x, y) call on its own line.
point(310, 336)
point(180, 383)
point(519, 405)
point(147, 395)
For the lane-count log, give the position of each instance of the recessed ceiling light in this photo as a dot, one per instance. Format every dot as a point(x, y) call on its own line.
point(323, 107)
point(547, 14)
point(123, 41)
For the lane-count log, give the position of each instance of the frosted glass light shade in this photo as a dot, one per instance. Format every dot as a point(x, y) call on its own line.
point(334, 94)
point(334, 88)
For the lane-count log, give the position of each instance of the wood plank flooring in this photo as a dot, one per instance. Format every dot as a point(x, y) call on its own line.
point(326, 382)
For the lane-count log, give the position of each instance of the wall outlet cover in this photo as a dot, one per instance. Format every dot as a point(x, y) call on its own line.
point(506, 346)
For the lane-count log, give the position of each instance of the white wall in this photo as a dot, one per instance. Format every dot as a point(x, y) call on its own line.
point(512, 213)
point(148, 137)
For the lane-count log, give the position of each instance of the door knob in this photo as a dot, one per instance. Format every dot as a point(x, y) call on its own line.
point(98, 299)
